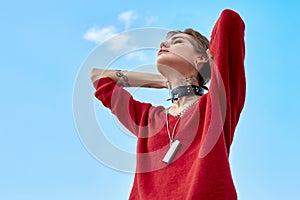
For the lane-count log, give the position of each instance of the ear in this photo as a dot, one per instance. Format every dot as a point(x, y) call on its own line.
point(200, 59)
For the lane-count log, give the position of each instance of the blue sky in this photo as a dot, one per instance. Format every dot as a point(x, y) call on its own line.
point(43, 47)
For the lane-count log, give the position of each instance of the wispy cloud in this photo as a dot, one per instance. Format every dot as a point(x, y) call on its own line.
point(120, 42)
point(99, 35)
point(150, 20)
point(136, 55)
point(128, 17)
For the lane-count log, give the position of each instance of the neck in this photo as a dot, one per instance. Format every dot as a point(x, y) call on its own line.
point(180, 87)
point(182, 102)
point(176, 82)
point(180, 106)
point(182, 99)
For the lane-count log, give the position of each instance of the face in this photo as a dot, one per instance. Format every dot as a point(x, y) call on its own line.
point(177, 54)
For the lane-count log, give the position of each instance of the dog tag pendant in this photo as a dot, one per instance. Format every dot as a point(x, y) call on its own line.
point(170, 155)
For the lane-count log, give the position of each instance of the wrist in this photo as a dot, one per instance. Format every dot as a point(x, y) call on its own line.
point(123, 79)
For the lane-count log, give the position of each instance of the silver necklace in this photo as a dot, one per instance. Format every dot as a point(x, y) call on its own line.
point(171, 137)
point(182, 111)
point(174, 144)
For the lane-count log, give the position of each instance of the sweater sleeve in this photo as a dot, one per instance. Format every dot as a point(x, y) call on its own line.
point(131, 113)
point(228, 50)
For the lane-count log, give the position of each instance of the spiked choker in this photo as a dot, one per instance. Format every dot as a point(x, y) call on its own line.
point(186, 90)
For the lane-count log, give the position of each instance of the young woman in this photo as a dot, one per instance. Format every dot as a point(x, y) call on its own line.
point(183, 150)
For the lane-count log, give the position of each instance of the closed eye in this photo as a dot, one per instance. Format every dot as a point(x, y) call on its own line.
point(177, 41)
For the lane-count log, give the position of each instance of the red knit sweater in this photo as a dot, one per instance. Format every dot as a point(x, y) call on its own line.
point(201, 168)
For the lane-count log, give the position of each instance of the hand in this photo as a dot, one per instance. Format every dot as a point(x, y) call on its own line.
point(210, 57)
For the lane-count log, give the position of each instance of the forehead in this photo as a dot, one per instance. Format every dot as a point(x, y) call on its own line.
point(176, 35)
point(184, 36)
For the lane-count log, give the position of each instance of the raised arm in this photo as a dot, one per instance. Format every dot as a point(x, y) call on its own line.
point(129, 78)
point(228, 51)
point(109, 90)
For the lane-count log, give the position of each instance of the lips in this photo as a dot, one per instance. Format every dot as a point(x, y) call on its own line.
point(162, 51)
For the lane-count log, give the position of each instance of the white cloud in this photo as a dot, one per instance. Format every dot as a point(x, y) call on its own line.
point(119, 43)
point(98, 35)
point(150, 20)
point(128, 17)
point(136, 55)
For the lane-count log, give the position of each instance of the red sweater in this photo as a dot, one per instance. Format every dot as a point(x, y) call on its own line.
point(201, 168)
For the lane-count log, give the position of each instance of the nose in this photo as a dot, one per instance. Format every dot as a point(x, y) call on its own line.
point(164, 44)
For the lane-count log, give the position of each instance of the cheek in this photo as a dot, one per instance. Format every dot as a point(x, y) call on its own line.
point(171, 59)
point(172, 63)
point(184, 53)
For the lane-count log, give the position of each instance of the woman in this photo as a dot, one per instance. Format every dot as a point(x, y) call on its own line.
point(182, 151)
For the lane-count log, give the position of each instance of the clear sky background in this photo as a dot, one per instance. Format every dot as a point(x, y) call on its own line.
point(42, 47)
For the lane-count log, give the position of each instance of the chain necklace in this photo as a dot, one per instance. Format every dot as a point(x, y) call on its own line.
point(174, 145)
point(180, 114)
point(173, 132)
point(182, 111)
